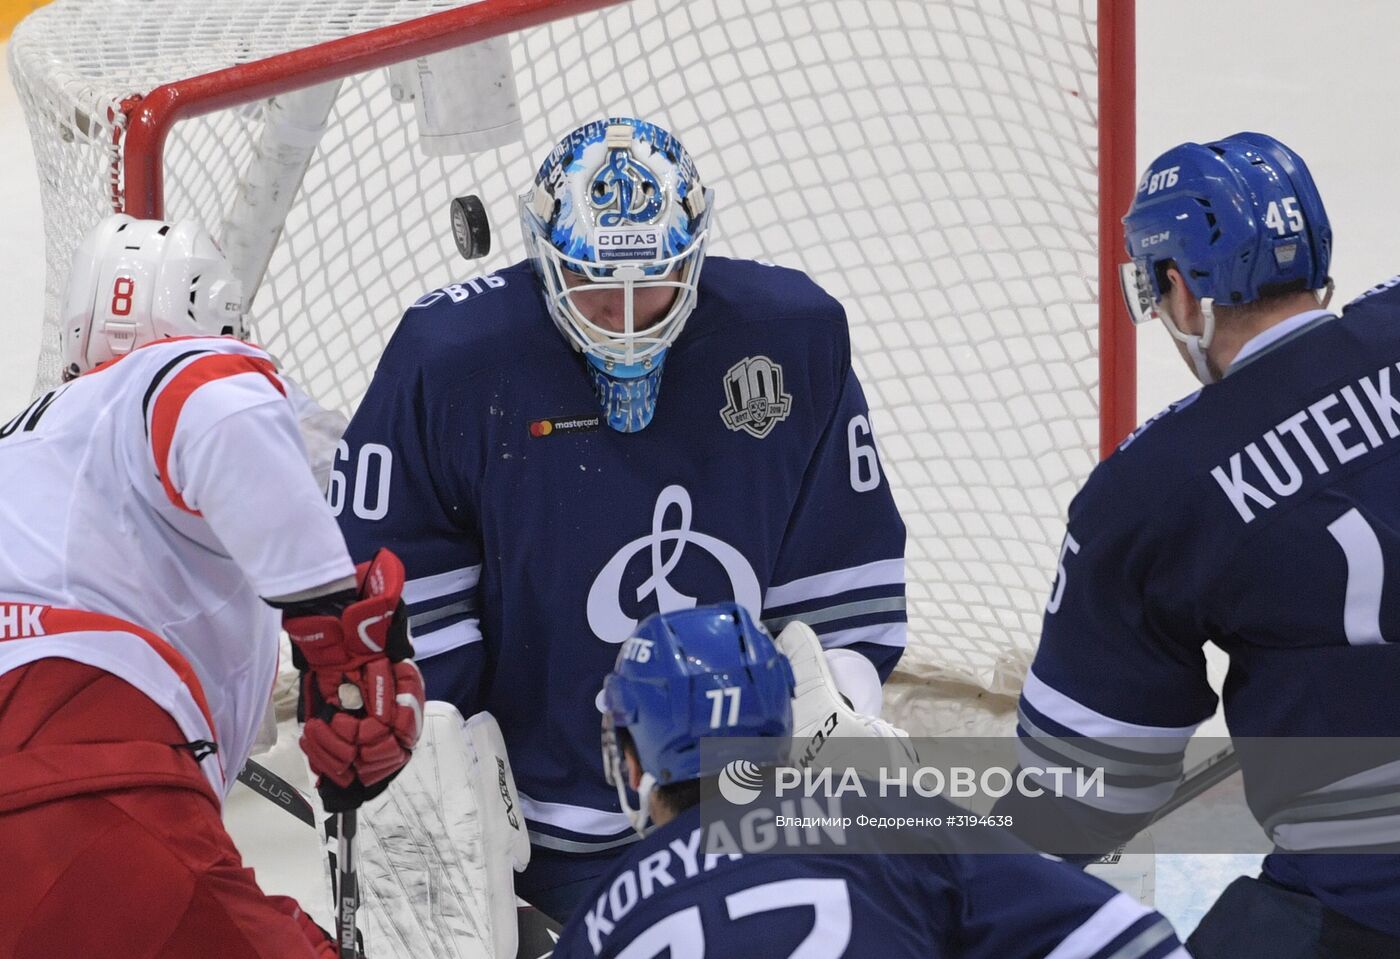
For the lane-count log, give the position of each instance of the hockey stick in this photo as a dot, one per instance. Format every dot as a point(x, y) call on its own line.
point(347, 885)
point(1200, 778)
point(277, 790)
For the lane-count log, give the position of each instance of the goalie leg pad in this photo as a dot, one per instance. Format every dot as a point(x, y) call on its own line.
point(438, 850)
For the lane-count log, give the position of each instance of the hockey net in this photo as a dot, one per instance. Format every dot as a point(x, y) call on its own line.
point(934, 165)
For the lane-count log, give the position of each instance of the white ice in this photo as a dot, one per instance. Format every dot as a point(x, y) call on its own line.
point(1321, 77)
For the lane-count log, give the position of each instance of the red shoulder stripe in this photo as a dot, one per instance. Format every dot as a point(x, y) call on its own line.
point(165, 414)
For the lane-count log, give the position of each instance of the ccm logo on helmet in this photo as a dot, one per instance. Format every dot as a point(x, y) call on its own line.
point(1156, 238)
point(1159, 180)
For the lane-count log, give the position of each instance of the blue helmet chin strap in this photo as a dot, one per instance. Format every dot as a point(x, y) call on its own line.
point(626, 393)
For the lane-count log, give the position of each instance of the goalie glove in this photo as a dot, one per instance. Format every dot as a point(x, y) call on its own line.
point(820, 714)
point(361, 695)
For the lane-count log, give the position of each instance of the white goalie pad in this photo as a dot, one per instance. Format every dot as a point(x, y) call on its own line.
point(438, 850)
point(820, 717)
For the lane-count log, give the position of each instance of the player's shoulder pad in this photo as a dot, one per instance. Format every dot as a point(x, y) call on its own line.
point(768, 292)
point(1384, 295)
point(474, 317)
point(182, 365)
point(1138, 471)
point(161, 351)
point(1374, 318)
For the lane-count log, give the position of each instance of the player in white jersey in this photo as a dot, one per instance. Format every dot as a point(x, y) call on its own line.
point(154, 511)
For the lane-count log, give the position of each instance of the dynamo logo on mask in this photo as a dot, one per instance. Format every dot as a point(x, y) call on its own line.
point(625, 190)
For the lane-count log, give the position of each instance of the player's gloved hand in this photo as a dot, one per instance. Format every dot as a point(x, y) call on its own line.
point(361, 695)
point(322, 943)
point(821, 713)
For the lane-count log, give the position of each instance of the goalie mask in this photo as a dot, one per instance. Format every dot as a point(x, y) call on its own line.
point(618, 207)
point(136, 281)
point(685, 675)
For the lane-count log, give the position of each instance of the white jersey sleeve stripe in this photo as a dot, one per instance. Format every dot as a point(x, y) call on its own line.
point(1101, 795)
point(435, 642)
point(828, 614)
point(424, 588)
point(1062, 709)
point(578, 819)
point(1151, 938)
point(882, 572)
point(1379, 831)
point(882, 634)
point(1111, 920)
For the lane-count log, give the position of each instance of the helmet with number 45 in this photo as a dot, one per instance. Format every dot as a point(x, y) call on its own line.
point(135, 281)
point(1240, 218)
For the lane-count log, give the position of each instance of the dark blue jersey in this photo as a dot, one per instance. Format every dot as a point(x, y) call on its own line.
point(535, 537)
point(1261, 514)
point(667, 893)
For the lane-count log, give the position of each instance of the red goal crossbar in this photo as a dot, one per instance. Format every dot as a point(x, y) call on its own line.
point(149, 119)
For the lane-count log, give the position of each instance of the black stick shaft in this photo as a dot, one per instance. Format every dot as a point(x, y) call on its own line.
point(275, 789)
point(347, 885)
point(1212, 771)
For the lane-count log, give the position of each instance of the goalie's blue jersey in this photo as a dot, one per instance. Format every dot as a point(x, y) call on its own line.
point(535, 537)
point(668, 893)
point(1261, 514)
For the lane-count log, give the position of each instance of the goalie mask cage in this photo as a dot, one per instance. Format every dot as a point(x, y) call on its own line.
point(952, 170)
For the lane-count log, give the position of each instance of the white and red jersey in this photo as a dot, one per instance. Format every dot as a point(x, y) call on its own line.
point(170, 489)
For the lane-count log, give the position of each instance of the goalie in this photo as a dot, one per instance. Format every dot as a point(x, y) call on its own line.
point(546, 492)
point(154, 510)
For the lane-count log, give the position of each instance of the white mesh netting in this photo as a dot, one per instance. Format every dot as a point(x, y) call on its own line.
point(932, 164)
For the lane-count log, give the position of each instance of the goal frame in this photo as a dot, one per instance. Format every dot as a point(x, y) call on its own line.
point(149, 119)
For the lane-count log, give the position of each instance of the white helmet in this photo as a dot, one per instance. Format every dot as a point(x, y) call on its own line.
point(135, 281)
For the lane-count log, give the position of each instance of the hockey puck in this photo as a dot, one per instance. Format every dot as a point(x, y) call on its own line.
point(470, 227)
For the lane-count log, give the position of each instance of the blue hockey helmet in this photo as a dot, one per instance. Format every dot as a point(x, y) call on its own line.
point(686, 675)
point(1240, 218)
point(618, 205)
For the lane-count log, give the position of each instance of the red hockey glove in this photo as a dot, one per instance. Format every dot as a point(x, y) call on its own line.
point(361, 694)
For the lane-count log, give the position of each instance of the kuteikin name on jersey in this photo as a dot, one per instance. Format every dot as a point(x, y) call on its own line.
point(1320, 436)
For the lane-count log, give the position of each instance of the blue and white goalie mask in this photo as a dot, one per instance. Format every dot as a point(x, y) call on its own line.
point(616, 224)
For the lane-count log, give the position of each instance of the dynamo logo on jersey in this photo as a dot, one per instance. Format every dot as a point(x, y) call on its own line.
point(605, 614)
point(624, 189)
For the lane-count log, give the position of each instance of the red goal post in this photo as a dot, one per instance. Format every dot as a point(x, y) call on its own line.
point(954, 171)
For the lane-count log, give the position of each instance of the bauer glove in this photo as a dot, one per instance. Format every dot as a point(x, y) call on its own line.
point(361, 696)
